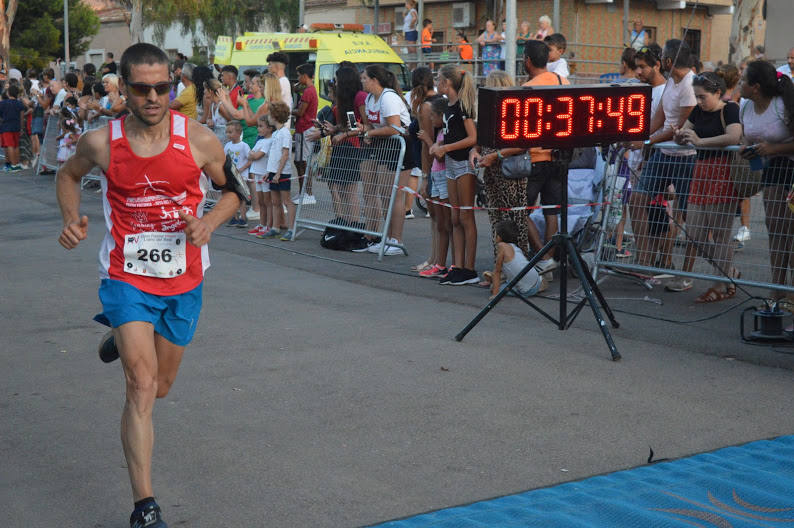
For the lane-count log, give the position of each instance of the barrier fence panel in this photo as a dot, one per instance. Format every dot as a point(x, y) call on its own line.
point(354, 185)
point(685, 209)
point(48, 157)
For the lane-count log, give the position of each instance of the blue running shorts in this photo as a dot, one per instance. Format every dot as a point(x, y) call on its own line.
point(174, 316)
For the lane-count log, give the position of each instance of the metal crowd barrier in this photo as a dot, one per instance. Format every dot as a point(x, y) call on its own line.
point(354, 185)
point(683, 214)
point(48, 156)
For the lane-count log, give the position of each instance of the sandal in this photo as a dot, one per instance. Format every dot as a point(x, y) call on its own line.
point(730, 289)
point(714, 295)
point(421, 267)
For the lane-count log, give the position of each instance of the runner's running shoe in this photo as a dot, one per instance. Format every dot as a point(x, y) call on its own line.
point(149, 517)
point(108, 352)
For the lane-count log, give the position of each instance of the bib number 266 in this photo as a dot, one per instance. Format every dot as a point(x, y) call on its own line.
point(159, 255)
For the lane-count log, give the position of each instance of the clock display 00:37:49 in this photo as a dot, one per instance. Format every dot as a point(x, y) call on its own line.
point(571, 116)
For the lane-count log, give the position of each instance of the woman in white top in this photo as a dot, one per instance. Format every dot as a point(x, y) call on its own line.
point(387, 115)
point(409, 25)
point(767, 117)
point(544, 28)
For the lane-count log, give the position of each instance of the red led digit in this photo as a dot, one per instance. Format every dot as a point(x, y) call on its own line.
point(591, 119)
point(537, 101)
point(508, 115)
point(618, 114)
point(567, 116)
point(639, 113)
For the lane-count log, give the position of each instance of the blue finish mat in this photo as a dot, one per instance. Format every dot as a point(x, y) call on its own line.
point(745, 486)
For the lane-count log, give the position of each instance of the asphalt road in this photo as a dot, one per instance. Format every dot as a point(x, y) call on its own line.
point(325, 389)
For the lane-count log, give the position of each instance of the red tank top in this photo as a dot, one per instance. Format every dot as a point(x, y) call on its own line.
point(144, 241)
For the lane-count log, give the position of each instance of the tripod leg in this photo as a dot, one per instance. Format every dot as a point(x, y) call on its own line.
point(588, 291)
point(597, 292)
point(493, 302)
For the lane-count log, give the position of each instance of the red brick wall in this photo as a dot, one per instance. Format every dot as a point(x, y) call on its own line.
point(596, 24)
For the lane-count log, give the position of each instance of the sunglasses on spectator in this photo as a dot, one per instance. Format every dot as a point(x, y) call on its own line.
point(143, 89)
point(705, 80)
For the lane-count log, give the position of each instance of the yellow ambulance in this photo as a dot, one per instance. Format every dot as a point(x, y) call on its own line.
point(325, 45)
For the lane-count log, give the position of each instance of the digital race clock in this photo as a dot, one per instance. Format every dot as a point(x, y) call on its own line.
point(563, 116)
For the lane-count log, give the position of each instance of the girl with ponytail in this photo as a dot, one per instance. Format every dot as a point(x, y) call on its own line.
point(460, 135)
point(768, 119)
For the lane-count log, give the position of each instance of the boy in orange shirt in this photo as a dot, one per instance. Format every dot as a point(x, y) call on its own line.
point(427, 38)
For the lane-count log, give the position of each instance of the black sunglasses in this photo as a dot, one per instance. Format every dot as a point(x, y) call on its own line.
point(705, 81)
point(143, 89)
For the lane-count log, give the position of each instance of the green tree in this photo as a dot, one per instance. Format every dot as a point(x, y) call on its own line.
point(37, 34)
point(220, 17)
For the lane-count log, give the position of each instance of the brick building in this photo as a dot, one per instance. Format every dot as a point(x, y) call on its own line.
point(593, 27)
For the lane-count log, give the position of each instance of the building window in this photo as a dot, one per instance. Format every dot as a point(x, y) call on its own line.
point(692, 38)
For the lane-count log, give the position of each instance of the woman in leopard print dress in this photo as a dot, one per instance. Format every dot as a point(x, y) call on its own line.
point(502, 193)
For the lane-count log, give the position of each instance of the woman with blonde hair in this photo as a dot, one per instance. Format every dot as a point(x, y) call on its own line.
point(544, 28)
point(502, 193)
point(113, 102)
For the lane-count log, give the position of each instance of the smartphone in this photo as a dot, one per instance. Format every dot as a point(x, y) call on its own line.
point(351, 119)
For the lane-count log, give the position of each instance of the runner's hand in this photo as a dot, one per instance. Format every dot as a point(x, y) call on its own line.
point(73, 233)
point(196, 231)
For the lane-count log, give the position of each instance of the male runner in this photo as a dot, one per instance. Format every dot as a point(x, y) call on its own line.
point(154, 253)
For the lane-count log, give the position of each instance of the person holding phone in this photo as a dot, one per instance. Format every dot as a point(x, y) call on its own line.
point(767, 115)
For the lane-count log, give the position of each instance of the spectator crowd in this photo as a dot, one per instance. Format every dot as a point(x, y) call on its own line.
point(694, 105)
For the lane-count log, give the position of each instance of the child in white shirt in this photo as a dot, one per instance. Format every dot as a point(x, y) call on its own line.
point(238, 151)
point(557, 64)
point(279, 173)
point(258, 172)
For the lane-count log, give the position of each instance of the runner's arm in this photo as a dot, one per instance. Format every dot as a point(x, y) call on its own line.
point(211, 160)
point(67, 186)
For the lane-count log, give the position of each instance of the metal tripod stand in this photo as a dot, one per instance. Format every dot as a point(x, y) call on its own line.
point(565, 249)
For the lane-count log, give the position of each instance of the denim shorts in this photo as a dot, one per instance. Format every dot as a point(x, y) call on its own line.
point(661, 170)
point(456, 169)
point(174, 316)
point(284, 183)
point(439, 179)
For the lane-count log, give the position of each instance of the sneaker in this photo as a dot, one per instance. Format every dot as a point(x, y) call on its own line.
point(432, 272)
point(149, 517)
point(108, 352)
point(463, 276)
point(623, 253)
point(287, 236)
point(678, 284)
point(14, 168)
point(393, 250)
point(258, 229)
point(443, 278)
point(242, 223)
point(252, 215)
point(409, 215)
point(233, 222)
point(427, 214)
point(545, 266)
point(270, 233)
point(308, 199)
point(364, 246)
point(743, 235)
point(390, 250)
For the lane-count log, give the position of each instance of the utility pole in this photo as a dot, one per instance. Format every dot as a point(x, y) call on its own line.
point(510, 38)
point(66, 33)
point(375, 19)
point(301, 9)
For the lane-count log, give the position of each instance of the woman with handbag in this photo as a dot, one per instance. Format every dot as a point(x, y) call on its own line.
point(504, 192)
point(768, 121)
point(712, 198)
